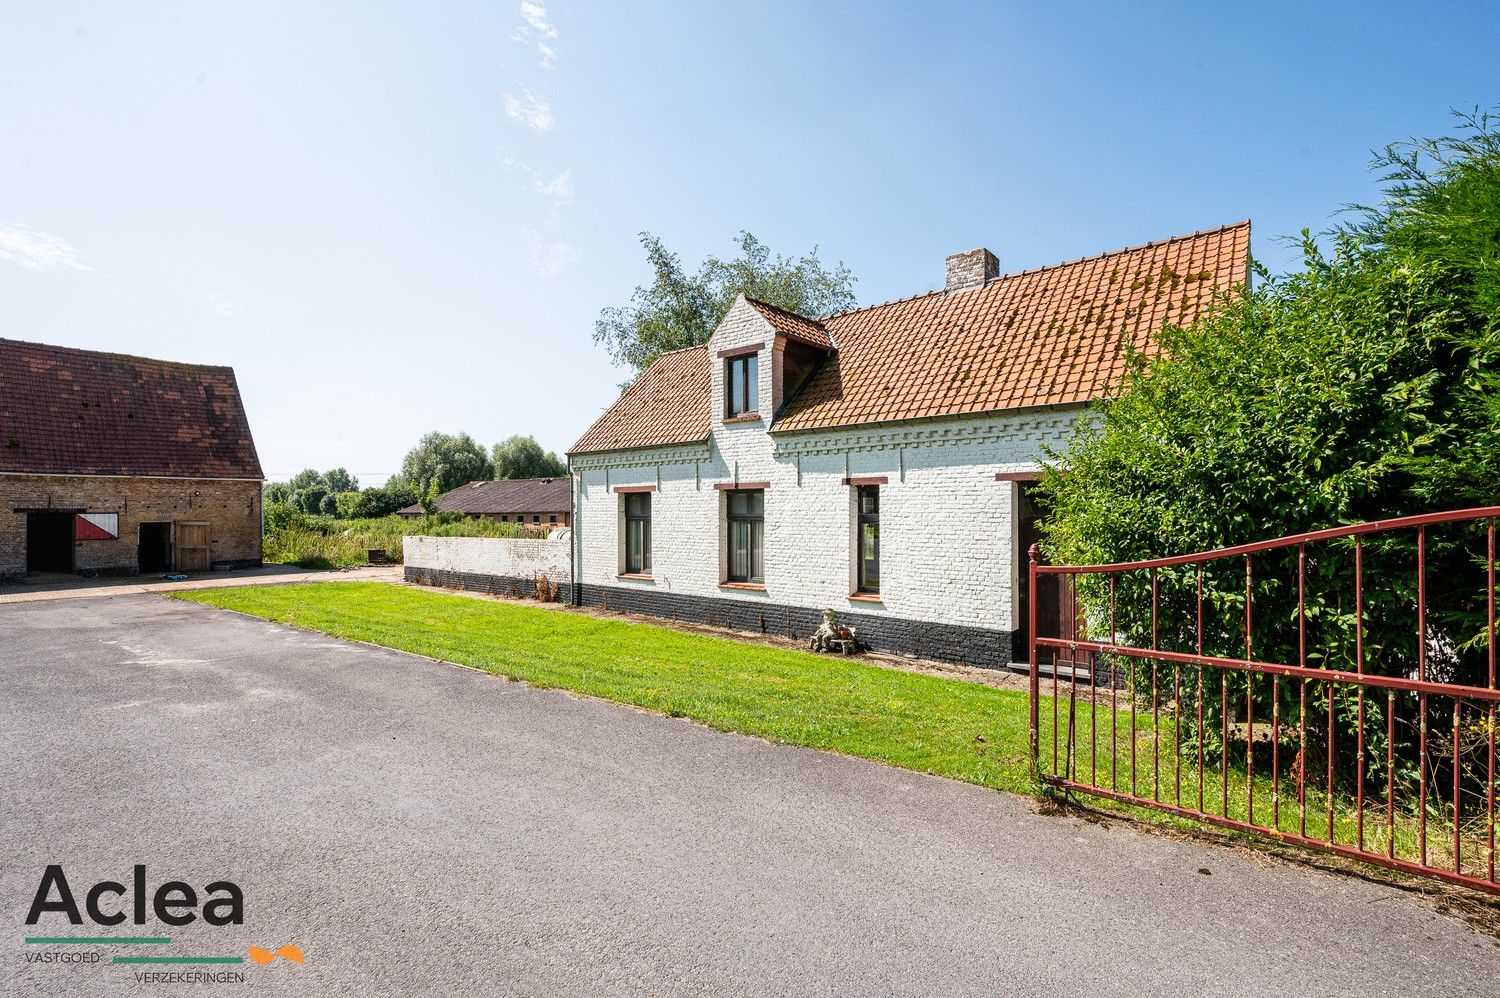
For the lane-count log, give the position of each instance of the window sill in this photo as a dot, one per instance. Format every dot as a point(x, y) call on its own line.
point(865, 597)
point(754, 587)
point(749, 417)
point(636, 576)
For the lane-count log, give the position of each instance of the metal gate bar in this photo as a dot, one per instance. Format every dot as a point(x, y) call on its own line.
point(1354, 713)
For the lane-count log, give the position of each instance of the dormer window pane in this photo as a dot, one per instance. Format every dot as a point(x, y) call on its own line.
point(742, 385)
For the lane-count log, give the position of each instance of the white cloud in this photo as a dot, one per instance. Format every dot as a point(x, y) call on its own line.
point(559, 188)
point(530, 110)
point(220, 304)
point(535, 15)
point(549, 259)
point(37, 250)
point(536, 32)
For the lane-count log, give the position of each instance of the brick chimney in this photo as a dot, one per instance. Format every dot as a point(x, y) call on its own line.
point(973, 269)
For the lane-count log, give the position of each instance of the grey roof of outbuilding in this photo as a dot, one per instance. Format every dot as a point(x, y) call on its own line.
point(522, 495)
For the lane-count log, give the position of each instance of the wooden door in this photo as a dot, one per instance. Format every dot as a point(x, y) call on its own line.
point(191, 547)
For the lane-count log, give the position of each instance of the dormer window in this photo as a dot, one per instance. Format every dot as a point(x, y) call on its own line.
point(741, 385)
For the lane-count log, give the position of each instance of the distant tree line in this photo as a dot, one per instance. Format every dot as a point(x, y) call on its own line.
point(440, 462)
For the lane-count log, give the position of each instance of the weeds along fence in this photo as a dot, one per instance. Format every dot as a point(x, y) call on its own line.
point(1335, 689)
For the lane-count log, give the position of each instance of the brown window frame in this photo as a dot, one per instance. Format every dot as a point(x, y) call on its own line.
point(749, 400)
point(755, 539)
point(638, 562)
point(861, 520)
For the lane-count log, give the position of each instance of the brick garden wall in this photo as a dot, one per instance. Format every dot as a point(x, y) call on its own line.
point(232, 509)
point(496, 565)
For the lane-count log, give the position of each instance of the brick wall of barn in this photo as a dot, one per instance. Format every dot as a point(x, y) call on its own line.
point(950, 564)
point(231, 508)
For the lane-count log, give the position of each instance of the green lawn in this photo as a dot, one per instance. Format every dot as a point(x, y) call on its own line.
point(947, 727)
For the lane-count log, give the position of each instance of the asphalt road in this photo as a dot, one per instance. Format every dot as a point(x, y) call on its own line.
point(417, 828)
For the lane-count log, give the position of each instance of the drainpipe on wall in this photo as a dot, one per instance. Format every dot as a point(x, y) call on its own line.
point(575, 551)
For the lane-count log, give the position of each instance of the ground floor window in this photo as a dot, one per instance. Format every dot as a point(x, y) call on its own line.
point(747, 508)
point(638, 533)
point(867, 533)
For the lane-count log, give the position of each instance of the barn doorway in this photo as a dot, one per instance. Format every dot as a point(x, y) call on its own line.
point(49, 541)
point(154, 549)
point(192, 547)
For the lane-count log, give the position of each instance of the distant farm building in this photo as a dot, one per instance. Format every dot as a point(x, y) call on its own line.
point(535, 502)
point(117, 464)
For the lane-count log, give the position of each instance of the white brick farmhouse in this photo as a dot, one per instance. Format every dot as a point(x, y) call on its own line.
point(877, 461)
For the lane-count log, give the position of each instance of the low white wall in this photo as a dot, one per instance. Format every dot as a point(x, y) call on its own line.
point(509, 557)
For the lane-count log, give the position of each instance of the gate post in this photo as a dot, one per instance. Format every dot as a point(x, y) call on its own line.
point(1036, 762)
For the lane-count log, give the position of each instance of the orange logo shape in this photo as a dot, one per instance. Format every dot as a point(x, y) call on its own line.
point(287, 952)
point(290, 952)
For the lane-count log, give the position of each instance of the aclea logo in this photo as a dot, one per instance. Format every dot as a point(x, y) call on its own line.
point(174, 902)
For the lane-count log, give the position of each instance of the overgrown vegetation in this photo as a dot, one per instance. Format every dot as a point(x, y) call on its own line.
point(296, 538)
point(440, 462)
point(1365, 385)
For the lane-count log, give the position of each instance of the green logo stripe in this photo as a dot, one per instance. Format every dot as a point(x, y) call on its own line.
point(178, 959)
point(92, 940)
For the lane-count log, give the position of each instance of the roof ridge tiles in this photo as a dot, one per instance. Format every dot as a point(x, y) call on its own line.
point(115, 355)
point(942, 292)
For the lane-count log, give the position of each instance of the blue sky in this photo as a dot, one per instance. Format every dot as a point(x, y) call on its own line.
point(391, 218)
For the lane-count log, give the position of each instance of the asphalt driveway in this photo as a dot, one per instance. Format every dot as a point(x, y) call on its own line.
point(417, 828)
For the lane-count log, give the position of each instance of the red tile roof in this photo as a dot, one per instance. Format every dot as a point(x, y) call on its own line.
point(79, 412)
point(667, 404)
point(1056, 335)
point(798, 327)
point(1052, 336)
point(520, 495)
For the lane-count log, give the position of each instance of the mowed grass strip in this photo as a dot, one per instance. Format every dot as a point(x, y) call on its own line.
point(947, 727)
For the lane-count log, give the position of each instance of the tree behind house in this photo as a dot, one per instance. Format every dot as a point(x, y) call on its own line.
point(522, 457)
point(680, 310)
point(447, 460)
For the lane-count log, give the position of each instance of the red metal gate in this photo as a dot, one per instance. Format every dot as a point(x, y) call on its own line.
point(1335, 689)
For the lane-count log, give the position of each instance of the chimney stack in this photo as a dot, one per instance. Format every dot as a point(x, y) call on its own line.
point(973, 269)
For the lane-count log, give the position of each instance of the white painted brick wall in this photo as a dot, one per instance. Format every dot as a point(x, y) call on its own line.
point(516, 557)
point(948, 551)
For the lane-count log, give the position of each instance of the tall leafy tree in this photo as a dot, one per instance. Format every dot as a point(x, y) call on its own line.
point(446, 460)
point(522, 457)
point(678, 309)
point(339, 480)
point(305, 478)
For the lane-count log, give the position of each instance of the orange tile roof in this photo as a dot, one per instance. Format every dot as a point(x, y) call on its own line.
point(668, 404)
point(798, 327)
point(1051, 336)
point(1054, 335)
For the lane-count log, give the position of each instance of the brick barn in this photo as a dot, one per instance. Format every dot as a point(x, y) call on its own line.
point(113, 464)
point(878, 462)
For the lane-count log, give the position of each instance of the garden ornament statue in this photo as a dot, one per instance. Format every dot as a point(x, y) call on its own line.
point(831, 636)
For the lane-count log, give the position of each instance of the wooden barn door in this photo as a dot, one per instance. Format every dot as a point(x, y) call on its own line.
point(191, 547)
